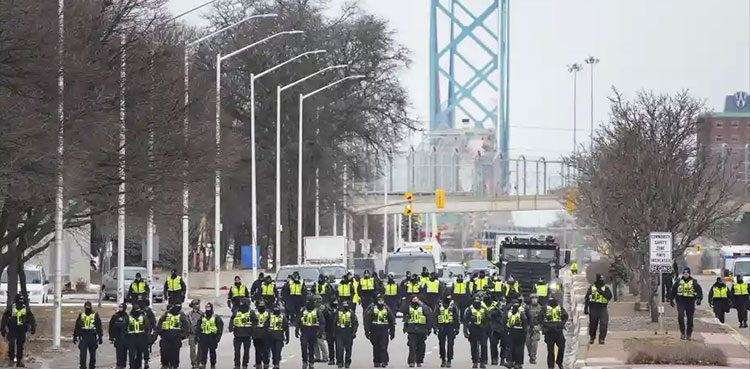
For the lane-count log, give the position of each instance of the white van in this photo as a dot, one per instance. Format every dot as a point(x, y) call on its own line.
point(37, 285)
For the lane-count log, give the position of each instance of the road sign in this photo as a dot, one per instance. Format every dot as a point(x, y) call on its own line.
point(440, 199)
point(660, 255)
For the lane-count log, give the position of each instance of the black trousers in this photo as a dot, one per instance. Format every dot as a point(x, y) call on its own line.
point(242, 350)
point(417, 345)
point(392, 302)
point(552, 339)
point(598, 317)
point(208, 345)
point(446, 341)
point(293, 306)
point(136, 353)
point(170, 351)
point(721, 306)
point(344, 343)
point(331, 342)
point(262, 351)
point(121, 354)
point(478, 343)
point(685, 313)
point(740, 303)
point(379, 339)
point(496, 339)
point(463, 303)
point(16, 341)
point(276, 346)
point(87, 346)
point(307, 344)
point(517, 343)
point(176, 298)
point(366, 299)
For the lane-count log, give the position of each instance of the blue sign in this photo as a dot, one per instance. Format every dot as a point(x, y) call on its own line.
point(249, 254)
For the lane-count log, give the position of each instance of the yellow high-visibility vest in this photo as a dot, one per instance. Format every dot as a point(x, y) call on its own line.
point(596, 296)
point(541, 290)
point(355, 284)
point(242, 320)
point(514, 320)
point(238, 291)
point(720, 292)
point(171, 322)
point(310, 318)
point(459, 288)
point(344, 319)
point(553, 314)
point(445, 316)
point(368, 284)
point(479, 283)
point(477, 315)
point(345, 290)
point(433, 287)
point(138, 287)
point(416, 316)
point(295, 289)
point(276, 323)
point(174, 284)
point(268, 290)
point(208, 326)
point(88, 321)
point(686, 289)
point(320, 288)
point(391, 289)
point(135, 326)
point(381, 316)
point(740, 289)
point(574, 266)
point(262, 317)
point(413, 287)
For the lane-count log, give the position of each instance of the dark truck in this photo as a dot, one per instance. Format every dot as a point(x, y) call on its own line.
point(527, 258)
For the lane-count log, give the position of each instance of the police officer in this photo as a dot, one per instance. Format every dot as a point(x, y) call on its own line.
point(345, 290)
point(149, 315)
point(261, 321)
point(294, 294)
point(310, 325)
point(448, 325)
point(541, 290)
point(516, 324)
point(330, 339)
point(418, 324)
point(425, 275)
point(369, 288)
point(596, 299)
point(740, 298)
point(461, 295)
point(496, 333)
point(238, 292)
point(118, 325)
point(193, 317)
point(172, 327)
point(138, 290)
point(345, 333)
point(574, 267)
point(533, 334)
point(278, 334)
point(88, 335)
point(210, 328)
point(380, 325)
point(268, 291)
point(323, 289)
point(433, 290)
point(355, 287)
point(137, 337)
point(718, 299)
point(15, 323)
point(476, 328)
point(414, 288)
point(241, 325)
point(392, 293)
point(688, 294)
point(553, 319)
point(512, 289)
point(257, 286)
point(481, 281)
point(175, 289)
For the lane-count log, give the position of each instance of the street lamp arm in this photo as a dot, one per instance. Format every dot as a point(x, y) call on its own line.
point(227, 28)
point(359, 76)
point(326, 69)
point(300, 56)
point(225, 57)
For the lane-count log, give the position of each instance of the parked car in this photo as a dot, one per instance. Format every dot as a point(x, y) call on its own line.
point(476, 265)
point(109, 283)
point(37, 285)
point(308, 273)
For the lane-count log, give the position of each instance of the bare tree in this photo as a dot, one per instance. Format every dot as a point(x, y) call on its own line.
point(646, 173)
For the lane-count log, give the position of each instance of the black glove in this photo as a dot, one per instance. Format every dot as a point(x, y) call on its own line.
point(75, 340)
point(671, 303)
point(354, 335)
point(101, 340)
point(296, 333)
point(466, 335)
point(286, 340)
point(697, 302)
point(393, 335)
point(586, 310)
point(33, 330)
point(111, 340)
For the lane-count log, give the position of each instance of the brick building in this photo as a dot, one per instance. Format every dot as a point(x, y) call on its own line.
point(728, 132)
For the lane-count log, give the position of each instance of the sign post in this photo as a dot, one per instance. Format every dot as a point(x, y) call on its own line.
point(660, 261)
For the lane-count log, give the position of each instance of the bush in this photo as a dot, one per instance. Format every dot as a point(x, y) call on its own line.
point(685, 354)
point(82, 285)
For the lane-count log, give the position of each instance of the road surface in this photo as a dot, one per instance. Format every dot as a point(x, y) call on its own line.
point(730, 319)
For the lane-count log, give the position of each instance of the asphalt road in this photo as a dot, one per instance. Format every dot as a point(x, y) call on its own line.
point(362, 354)
point(706, 281)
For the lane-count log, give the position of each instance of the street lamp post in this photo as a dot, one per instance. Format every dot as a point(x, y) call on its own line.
point(302, 98)
point(279, 90)
point(217, 180)
point(591, 61)
point(186, 125)
point(253, 180)
point(575, 68)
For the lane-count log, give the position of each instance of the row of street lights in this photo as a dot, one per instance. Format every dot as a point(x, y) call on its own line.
point(574, 69)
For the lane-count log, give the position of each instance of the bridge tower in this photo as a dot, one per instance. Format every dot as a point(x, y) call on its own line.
point(469, 65)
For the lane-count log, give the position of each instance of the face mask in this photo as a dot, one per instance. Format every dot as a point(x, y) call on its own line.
point(88, 310)
point(19, 304)
point(414, 304)
point(553, 303)
point(209, 312)
point(460, 279)
point(322, 280)
point(237, 283)
point(174, 274)
point(685, 277)
point(175, 310)
point(477, 304)
point(310, 306)
point(381, 304)
point(261, 309)
point(277, 311)
point(123, 308)
point(367, 275)
point(515, 309)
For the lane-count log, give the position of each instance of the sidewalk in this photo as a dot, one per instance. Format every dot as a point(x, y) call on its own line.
point(630, 329)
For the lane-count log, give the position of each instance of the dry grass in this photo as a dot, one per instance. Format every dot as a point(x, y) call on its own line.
point(667, 350)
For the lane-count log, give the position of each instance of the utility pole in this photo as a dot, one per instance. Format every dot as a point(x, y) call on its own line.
point(59, 190)
point(591, 61)
point(575, 68)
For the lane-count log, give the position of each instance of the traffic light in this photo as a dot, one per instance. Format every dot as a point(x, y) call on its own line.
point(409, 208)
point(440, 199)
point(571, 205)
point(698, 248)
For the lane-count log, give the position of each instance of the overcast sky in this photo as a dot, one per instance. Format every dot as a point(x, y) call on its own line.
point(664, 46)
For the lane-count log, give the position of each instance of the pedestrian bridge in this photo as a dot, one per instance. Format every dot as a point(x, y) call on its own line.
point(373, 203)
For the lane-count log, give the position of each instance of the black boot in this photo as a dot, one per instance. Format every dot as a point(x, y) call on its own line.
point(442, 363)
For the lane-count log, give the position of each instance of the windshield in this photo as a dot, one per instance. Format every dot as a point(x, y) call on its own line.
point(742, 268)
point(455, 270)
point(399, 266)
point(305, 273)
point(130, 273)
point(514, 254)
point(335, 271)
point(546, 255)
point(32, 277)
